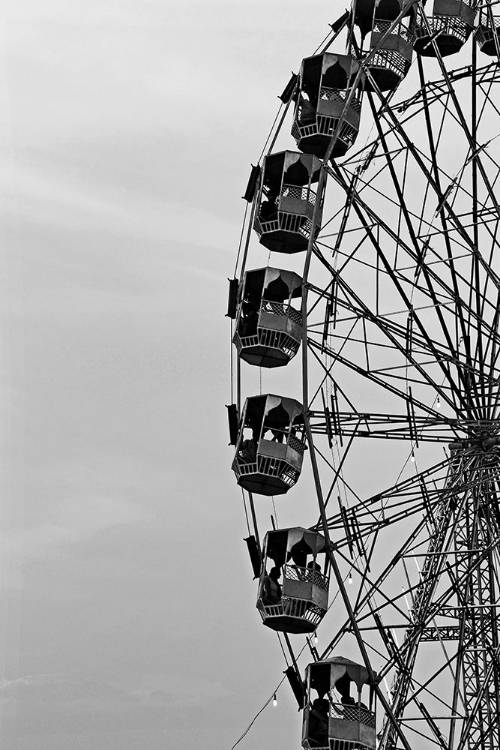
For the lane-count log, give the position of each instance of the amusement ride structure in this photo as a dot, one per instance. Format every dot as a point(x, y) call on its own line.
point(369, 266)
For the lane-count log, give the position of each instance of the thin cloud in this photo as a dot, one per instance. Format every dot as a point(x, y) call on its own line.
point(79, 517)
point(46, 199)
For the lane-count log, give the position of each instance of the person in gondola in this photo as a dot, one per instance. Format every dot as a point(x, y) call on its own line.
point(248, 451)
point(271, 589)
point(307, 111)
point(268, 208)
point(343, 685)
point(299, 556)
point(249, 315)
point(312, 569)
point(318, 723)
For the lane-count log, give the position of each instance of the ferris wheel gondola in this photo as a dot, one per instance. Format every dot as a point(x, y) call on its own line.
point(399, 343)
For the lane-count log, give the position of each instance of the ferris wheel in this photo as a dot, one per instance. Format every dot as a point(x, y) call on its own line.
point(370, 268)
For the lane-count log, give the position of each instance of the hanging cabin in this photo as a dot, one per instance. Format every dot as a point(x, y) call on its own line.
point(268, 328)
point(326, 82)
point(488, 34)
point(368, 11)
point(286, 202)
point(294, 580)
point(449, 26)
point(335, 716)
point(390, 58)
point(270, 446)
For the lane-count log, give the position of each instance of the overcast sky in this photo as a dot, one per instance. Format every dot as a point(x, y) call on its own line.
point(127, 609)
point(127, 605)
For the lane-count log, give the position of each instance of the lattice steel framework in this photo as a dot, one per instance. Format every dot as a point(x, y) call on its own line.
point(401, 353)
point(411, 307)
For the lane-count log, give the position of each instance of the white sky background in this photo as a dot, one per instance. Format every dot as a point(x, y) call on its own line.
point(127, 609)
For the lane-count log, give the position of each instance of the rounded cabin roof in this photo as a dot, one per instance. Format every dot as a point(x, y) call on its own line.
point(340, 666)
point(292, 407)
point(279, 411)
point(260, 278)
point(279, 543)
point(300, 168)
point(336, 71)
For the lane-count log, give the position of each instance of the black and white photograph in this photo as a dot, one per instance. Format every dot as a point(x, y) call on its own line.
point(250, 375)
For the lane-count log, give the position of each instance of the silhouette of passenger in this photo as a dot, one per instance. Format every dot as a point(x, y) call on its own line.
point(317, 729)
point(307, 111)
point(269, 209)
point(248, 451)
point(312, 570)
point(249, 315)
point(271, 589)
